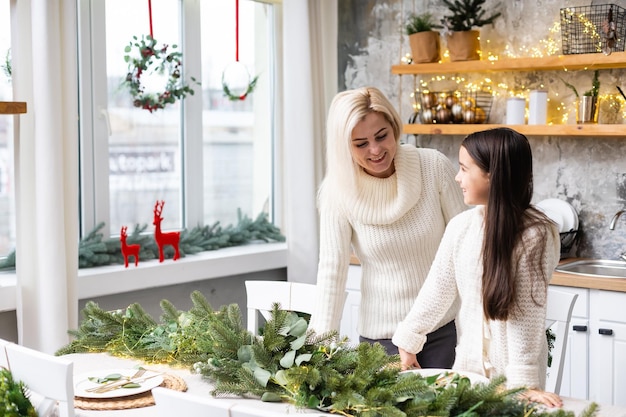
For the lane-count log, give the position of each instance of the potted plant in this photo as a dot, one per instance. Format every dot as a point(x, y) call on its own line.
point(463, 40)
point(424, 41)
point(587, 105)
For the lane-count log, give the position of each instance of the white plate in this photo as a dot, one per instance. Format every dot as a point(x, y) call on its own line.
point(474, 378)
point(561, 212)
point(82, 383)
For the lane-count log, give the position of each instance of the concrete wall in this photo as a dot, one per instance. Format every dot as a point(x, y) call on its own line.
point(587, 172)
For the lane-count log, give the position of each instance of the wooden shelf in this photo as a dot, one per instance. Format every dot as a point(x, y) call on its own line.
point(12, 107)
point(529, 130)
point(549, 63)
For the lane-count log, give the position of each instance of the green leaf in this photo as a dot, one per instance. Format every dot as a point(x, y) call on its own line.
point(270, 397)
point(262, 376)
point(244, 353)
point(298, 343)
point(281, 378)
point(305, 357)
point(313, 402)
point(298, 328)
point(287, 360)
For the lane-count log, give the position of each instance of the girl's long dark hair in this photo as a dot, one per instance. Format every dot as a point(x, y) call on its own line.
point(506, 155)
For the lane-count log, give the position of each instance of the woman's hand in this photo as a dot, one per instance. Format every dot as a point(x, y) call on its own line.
point(408, 360)
point(547, 398)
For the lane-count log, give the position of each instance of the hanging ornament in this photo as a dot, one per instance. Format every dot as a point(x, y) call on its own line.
point(158, 67)
point(236, 80)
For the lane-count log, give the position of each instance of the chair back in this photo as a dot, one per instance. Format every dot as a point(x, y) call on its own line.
point(177, 403)
point(48, 376)
point(558, 316)
point(4, 363)
point(292, 296)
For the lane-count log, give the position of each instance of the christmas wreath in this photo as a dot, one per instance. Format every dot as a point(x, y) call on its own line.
point(228, 89)
point(142, 56)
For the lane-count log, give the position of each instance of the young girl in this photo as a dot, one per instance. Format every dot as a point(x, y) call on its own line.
point(390, 203)
point(497, 259)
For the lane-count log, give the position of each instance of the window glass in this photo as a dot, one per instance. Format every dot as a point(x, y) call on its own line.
point(209, 158)
point(144, 146)
point(7, 203)
point(237, 134)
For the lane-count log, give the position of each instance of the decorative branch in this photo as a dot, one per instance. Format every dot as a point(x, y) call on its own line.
point(94, 250)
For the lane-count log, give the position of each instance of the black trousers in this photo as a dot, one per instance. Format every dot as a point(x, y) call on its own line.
point(438, 351)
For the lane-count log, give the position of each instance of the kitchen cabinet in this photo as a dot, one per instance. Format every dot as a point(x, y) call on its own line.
point(549, 63)
point(350, 317)
point(576, 367)
point(595, 360)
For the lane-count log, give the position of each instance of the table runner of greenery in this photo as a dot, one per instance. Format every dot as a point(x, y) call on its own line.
point(290, 363)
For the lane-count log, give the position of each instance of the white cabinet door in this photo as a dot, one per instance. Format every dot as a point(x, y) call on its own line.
point(607, 348)
point(576, 366)
point(350, 317)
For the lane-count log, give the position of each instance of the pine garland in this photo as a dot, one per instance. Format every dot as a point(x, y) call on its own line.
point(94, 250)
point(14, 397)
point(291, 363)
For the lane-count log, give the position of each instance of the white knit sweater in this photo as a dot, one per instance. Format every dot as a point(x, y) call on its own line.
point(516, 347)
point(394, 226)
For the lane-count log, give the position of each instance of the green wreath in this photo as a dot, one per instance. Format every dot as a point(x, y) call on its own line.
point(148, 57)
point(232, 97)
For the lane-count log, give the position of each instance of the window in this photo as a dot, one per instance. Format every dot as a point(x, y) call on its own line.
point(206, 157)
point(7, 198)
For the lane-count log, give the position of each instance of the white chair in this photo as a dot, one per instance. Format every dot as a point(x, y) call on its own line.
point(3, 354)
point(49, 379)
point(177, 403)
point(292, 296)
point(558, 316)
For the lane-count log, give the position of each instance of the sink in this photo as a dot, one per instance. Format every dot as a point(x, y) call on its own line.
point(601, 268)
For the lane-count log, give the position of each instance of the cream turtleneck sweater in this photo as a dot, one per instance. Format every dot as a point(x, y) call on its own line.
point(394, 225)
point(516, 347)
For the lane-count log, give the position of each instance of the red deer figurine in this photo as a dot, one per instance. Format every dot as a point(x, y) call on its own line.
point(128, 250)
point(162, 239)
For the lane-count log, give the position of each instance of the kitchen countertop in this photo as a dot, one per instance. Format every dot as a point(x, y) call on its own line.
point(570, 280)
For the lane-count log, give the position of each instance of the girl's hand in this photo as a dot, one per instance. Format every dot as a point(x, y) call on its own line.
point(408, 360)
point(547, 398)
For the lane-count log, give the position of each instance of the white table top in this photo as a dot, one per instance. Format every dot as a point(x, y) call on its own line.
point(84, 363)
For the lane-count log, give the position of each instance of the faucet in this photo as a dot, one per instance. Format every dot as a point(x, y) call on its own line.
point(612, 227)
point(614, 219)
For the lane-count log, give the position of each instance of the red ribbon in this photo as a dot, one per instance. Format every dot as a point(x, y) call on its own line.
point(150, 16)
point(236, 30)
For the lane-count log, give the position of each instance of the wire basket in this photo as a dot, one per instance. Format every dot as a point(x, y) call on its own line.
point(593, 29)
point(444, 107)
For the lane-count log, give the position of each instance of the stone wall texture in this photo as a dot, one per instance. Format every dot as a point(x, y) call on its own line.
point(587, 172)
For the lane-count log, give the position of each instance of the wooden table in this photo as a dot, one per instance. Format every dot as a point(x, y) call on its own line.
point(84, 363)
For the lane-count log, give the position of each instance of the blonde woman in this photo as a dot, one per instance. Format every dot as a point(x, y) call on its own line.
point(390, 204)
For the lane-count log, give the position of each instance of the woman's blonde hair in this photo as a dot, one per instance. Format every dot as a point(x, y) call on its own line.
point(346, 110)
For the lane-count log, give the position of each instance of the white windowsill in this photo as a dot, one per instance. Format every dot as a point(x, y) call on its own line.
point(115, 279)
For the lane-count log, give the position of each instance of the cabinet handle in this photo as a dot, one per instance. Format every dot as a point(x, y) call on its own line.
point(579, 328)
point(606, 332)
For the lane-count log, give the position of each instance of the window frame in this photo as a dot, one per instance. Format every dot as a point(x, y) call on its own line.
point(93, 104)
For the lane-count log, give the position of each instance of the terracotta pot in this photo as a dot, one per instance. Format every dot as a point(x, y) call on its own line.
point(425, 46)
point(464, 46)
